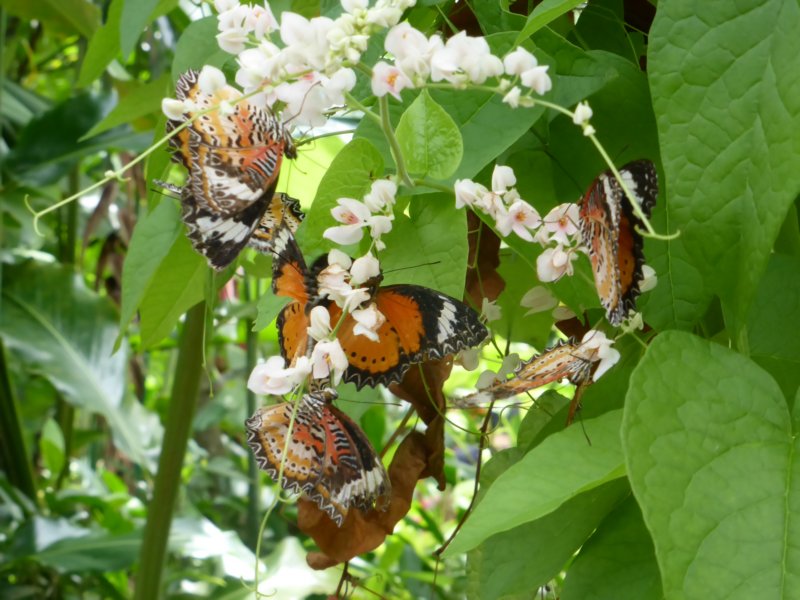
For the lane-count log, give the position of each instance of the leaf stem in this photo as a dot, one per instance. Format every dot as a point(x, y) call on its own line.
point(176, 436)
point(394, 145)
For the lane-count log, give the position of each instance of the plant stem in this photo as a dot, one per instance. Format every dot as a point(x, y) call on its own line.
point(176, 436)
point(251, 338)
point(394, 145)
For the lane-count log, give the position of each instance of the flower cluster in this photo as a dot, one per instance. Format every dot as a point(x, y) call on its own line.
point(347, 283)
point(596, 347)
point(461, 60)
point(308, 71)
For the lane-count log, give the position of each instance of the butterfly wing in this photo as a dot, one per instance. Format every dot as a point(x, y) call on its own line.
point(421, 324)
point(282, 209)
point(328, 457)
point(607, 224)
point(233, 159)
point(564, 361)
point(291, 278)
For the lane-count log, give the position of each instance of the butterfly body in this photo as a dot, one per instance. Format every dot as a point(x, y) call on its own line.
point(608, 228)
point(327, 456)
point(233, 157)
point(421, 323)
point(564, 361)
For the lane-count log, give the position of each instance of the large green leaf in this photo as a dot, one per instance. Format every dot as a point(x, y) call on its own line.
point(141, 100)
point(711, 457)
point(774, 313)
point(135, 16)
point(64, 16)
point(617, 562)
point(513, 564)
point(350, 176)
point(429, 139)
point(429, 248)
point(544, 13)
point(66, 333)
point(103, 46)
point(561, 467)
point(724, 78)
point(198, 46)
point(152, 240)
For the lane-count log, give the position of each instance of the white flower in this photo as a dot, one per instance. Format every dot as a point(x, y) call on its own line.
point(261, 21)
point(493, 204)
point(306, 100)
point(519, 218)
point(519, 61)
point(537, 79)
point(259, 65)
point(306, 40)
point(649, 280)
point(354, 215)
point(538, 299)
point(368, 321)
point(562, 313)
point(561, 223)
point(364, 268)
point(173, 109)
point(210, 80)
point(388, 79)
point(224, 5)
point(412, 51)
point(469, 358)
point(502, 178)
point(553, 263)
point(384, 16)
point(353, 299)
point(381, 194)
point(332, 281)
point(468, 192)
point(271, 377)
point(512, 97)
point(583, 113)
point(487, 378)
point(379, 224)
point(351, 6)
point(328, 358)
point(464, 59)
point(490, 311)
point(320, 319)
point(595, 346)
point(337, 257)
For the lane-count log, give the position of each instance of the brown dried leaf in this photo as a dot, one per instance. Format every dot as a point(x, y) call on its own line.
point(483, 280)
point(365, 531)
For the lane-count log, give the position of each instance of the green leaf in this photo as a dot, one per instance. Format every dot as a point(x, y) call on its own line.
point(176, 286)
point(135, 16)
point(494, 17)
point(350, 176)
point(66, 333)
point(103, 46)
point(48, 146)
point(561, 467)
point(67, 16)
point(198, 46)
point(429, 139)
point(774, 312)
point(144, 99)
point(711, 457)
point(545, 12)
point(152, 239)
point(268, 306)
point(94, 552)
point(617, 562)
point(729, 127)
point(429, 248)
point(51, 445)
point(513, 564)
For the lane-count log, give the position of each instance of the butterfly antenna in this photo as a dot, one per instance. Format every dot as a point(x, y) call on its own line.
point(427, 264)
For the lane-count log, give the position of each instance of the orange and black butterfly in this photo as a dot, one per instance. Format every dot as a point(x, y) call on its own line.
point(608, 229)
point(328, 457)
point(564, 361)
point(233, 159)
point(421, 323)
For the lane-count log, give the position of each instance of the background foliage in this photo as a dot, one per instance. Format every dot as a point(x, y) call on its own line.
point(678, 482)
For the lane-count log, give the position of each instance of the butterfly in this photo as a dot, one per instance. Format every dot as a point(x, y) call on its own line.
point(608, 228)
point(328, 457)
point(564, 361)
point(233, 157)
point(421, 323)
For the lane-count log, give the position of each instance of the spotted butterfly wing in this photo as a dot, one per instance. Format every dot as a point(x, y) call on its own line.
point(328, 457)
point(608, 228)
point(421, 323)
point(233, 159)
point(564, 361)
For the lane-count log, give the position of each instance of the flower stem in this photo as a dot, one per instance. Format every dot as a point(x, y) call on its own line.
point(394, 145)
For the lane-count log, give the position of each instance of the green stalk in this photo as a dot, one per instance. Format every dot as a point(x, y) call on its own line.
point(176, 436)
point(253, 509)
point(14, 457)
